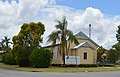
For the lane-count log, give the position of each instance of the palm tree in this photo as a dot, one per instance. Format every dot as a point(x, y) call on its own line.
point(62, 35)
point(6, 42)
point(2, 45)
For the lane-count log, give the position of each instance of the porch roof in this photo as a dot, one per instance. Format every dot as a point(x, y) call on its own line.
point(81, 45)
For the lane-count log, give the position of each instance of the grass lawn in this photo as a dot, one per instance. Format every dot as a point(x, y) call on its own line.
point(59, 69)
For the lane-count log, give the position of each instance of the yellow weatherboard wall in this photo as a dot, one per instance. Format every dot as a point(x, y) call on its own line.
point(85, 45)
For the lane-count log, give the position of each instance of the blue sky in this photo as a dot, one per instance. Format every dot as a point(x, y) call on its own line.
point(110, 7)
point(102, 14)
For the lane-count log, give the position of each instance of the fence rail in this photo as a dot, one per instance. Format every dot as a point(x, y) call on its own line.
point(106, 61)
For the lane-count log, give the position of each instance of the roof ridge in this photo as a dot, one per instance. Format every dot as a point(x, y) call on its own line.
point(86, 37)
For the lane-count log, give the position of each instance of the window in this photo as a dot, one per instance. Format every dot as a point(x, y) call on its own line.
point(85, 55)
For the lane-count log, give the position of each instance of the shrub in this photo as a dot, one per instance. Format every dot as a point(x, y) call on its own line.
point(88, 65)
point(80, 65)
point(41, 58)
point(23, 56)
point(8, 59)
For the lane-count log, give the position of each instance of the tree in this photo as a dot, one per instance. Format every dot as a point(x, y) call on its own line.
point(2, 46)
point(118, 34)
point(5, 44)
point(28, 39)
point(62, 35)
point(100, 51)
point(117, 45)
point(114, 53)
point(30, 35)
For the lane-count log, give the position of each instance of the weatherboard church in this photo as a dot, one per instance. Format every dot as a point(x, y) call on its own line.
point(83, 53)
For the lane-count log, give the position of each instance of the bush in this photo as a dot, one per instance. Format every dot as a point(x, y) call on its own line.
point(80, 65)
point(41, 58)
point(8, 59)
point(23, 56)
point(83, 65)
point(88, 65)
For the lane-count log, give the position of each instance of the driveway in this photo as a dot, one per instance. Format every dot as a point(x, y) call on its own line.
point(11, 73)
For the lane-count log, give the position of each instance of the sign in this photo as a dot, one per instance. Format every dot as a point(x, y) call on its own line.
point(72, 60)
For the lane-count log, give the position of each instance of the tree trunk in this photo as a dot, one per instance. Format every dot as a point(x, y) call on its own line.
point(63, 55)
point(63, 58)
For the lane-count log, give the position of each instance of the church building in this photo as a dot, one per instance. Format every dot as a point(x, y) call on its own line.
point(83, 53)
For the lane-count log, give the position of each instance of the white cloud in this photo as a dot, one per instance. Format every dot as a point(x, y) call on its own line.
point(14, 14)
point(103, 27)
point(52, 1)
point(28, 8)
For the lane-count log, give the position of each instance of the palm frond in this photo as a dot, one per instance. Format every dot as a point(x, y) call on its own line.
point(53, 37)
point(59, 25)
point(62, 25)
point(65, 23)
point(71, 37)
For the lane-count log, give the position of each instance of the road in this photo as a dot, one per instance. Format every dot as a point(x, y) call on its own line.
point(11, 73)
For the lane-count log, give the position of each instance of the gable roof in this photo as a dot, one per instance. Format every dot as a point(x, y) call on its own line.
point(86, 37)
point(82, 44)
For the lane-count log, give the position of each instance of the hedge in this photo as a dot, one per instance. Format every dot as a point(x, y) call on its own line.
point(41, 58)
point(8, 59)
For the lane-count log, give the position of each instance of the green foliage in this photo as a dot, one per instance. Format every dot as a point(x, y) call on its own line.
point(4, 44)
point(83, 65)
point(114, 53)
point(8, 59)
point(41, 58)
point(62, 35)
point(30, 35)
point(23, 56)
point(117, 45)
point(28, 39)
point(88, 65)
point(100, 51)
point(118, 34)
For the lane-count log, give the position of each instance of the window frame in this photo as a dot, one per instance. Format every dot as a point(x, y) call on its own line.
point(85, 55)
